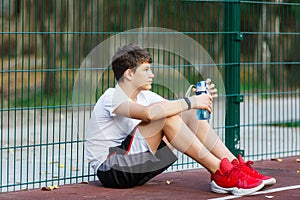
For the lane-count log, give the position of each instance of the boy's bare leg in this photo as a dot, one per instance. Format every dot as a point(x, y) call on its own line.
point(182, 138)
point(207, 135)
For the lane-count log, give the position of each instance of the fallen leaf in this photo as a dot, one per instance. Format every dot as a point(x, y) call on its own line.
point(269, 196)
point(298, 160)
point(277, 159)
point(168, 182)
point(45, 189)
point(55, 186)
point(298, 171)
point(49, 188)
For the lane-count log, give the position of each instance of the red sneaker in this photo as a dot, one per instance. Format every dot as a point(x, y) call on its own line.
point(230, 178)
point(247, 169)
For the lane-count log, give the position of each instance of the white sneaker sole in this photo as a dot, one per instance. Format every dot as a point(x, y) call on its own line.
point(269, 182)
point(234, 190)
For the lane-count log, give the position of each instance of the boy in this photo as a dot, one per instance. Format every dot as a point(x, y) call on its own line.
point(132, 130)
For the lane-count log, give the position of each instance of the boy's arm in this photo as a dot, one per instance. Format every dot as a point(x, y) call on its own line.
point(163, 109)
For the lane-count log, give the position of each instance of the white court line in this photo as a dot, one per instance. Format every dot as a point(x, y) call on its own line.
point(260, 192)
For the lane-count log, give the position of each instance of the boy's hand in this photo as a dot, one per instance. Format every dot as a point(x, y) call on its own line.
point(211, 88)
point(202, 101)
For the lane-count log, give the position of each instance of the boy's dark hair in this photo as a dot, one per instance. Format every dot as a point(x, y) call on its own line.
point(129, 57)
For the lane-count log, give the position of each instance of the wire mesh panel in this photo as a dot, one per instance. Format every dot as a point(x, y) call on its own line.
point(270, 83)
point(55, 64)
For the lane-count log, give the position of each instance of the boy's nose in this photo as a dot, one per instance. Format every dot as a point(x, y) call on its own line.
point(152, 75)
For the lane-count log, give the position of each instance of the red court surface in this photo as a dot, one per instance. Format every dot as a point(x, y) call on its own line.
point(190, 184)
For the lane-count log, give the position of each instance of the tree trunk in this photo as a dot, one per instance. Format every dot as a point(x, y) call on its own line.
point(51, 15)
point(27, 22)
point(269, 48)
point(84, 16)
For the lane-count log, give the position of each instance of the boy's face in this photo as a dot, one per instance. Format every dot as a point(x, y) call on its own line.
point(143, 76)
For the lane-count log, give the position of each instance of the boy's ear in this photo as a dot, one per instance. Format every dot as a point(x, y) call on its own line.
point(128, 74)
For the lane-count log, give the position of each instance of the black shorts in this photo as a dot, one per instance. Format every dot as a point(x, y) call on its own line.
point(121, 170)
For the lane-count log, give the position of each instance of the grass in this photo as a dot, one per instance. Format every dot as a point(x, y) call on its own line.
point(293, 124)
point(40, 99)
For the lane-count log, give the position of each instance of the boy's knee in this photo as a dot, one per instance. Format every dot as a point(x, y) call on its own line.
point(172, 121)
point(189, 116)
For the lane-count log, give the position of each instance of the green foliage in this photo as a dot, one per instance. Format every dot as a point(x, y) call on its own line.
point(42, 100)
point(293, 124)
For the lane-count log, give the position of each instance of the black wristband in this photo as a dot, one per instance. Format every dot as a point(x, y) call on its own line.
point(188, 102)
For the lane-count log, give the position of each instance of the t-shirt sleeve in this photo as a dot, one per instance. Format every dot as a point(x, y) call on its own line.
point(153, 97)
point(114, 98)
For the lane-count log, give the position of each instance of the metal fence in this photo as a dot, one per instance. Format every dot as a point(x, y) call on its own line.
point(55, 64)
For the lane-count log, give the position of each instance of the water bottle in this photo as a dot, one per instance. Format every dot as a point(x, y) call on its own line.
point(200, 89)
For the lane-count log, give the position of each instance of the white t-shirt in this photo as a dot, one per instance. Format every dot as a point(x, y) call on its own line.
point(106, 129)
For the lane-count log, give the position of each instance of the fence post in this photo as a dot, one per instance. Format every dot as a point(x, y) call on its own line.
point(232, 38)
